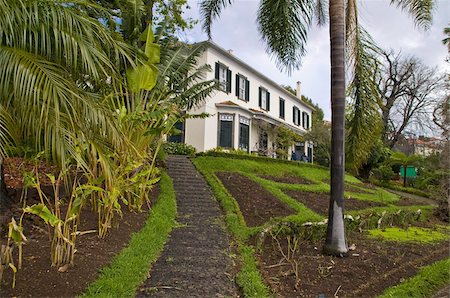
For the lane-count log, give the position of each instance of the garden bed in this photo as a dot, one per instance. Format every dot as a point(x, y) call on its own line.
point(288, 179)
point(368, 270)
point(319, 202)
point(257, 205)
point(38, 279)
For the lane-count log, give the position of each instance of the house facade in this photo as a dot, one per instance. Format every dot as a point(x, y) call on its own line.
point(246, 110)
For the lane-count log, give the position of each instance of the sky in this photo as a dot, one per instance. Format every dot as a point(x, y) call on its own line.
point(390, 27)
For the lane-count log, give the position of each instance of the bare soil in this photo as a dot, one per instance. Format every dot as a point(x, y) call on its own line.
point(289, 179)
point(319, 202)
point(368, 270)
point(37, 278)
point(256, 204)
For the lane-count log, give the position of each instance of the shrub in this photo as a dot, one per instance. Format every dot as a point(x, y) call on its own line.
point(179, 148)
point(383, 173)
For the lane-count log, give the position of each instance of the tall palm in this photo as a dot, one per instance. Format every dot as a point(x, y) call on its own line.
point(284, 25)
point(56, 62)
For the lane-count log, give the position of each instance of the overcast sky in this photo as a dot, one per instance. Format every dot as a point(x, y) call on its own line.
point(390, 28)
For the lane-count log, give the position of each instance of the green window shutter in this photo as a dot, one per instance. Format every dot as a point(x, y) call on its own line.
point(307, 121)
point(247, 90)
point(228, 80)
point(237, 85)
point(217, 71)
point(294, 113)
point(268, 101)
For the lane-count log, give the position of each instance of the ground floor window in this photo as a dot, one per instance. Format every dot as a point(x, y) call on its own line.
point(226, 131)
point(178, 133)
point(244, 133)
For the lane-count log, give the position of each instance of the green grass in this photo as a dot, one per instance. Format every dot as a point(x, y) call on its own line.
point(427, 282)
point(130, 268)
point(411, 234)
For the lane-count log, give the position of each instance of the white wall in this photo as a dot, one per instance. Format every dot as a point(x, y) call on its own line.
point(203, 133)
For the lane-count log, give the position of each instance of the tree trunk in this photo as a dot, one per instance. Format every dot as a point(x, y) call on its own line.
point(336, 243)
point(404, 175)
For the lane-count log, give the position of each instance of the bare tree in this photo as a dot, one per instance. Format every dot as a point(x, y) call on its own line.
point(408, 95)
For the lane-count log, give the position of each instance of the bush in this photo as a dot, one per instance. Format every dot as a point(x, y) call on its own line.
point(179, 148)
point(383, 173)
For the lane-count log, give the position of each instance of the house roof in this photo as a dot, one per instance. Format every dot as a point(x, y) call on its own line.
point(280, 88)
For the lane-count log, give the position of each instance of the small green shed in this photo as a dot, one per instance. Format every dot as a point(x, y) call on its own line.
point(411, 172)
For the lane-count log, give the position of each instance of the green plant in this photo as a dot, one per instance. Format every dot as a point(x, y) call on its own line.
point(383, 173)
point(130, 268)
point(179, 148)
point(17, 238)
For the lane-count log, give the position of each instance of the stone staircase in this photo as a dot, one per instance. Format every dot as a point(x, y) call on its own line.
point(195, 261)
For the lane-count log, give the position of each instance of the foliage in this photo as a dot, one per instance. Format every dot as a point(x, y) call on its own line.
point(428, 281)
point(363, 120)
point(383, 173)
point(285, 138)
point(320, 136)
point(378, 155)
point(179, 148)
point(410, 234)
point(128, 269)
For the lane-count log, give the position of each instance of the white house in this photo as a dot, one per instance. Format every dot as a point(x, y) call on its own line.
point(244, 111)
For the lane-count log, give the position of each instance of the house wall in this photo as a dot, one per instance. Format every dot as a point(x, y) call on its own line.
point(203, 133)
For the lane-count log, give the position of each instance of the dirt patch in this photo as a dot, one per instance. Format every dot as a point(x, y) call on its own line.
point(289, 179)
point(351, 187)
point(256, 204)
point(404, 201)
point(374, 266)
point(319, 202)
point(38, 279)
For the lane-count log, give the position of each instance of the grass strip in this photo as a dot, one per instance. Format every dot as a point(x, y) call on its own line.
point(131, 266)
point(249, 278)
point(427, 282)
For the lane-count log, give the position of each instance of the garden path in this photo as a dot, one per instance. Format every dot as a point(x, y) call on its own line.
point(196, 260)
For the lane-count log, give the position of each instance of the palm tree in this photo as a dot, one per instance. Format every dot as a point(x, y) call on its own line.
point(446, 40)
point(56, 63)
point(284, 25)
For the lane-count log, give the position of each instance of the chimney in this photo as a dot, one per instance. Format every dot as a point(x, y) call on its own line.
point(299, 90)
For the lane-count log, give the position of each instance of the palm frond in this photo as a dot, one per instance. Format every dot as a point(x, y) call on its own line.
point(321, 12)
point(420, 10)
point(284, 26)
point(209, 11)
point(363, 117)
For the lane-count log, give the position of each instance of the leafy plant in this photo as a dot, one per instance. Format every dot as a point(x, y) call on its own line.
point(179, 148)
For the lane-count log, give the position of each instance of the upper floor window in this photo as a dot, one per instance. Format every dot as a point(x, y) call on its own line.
point(223, 75)
point(242, 87)
point(305, 120)
point(264, 99)
point(282, 108)
point(296, 115)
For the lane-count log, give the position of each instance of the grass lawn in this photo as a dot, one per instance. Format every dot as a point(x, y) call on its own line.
point(249, 188)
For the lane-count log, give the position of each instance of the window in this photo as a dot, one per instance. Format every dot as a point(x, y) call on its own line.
point(282, 103)
point(244, 133)
point(264, 99)
point(296, 115)
point(242, 87)
point(178, 133)
point(223, 75)
point(226, 130)
point(305, 120)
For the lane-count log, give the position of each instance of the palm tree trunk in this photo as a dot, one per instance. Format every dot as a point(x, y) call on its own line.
point(336, 243)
